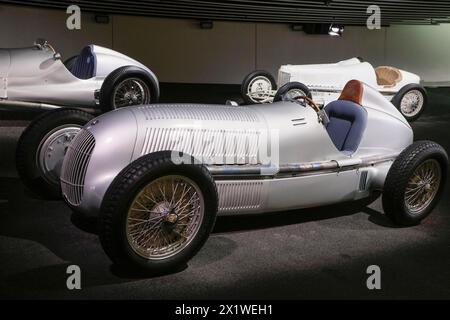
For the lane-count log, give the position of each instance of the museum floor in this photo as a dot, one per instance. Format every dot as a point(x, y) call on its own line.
point(314, 253)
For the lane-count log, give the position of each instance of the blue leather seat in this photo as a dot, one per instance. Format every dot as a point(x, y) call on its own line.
point(85, 64)
point(348, 120)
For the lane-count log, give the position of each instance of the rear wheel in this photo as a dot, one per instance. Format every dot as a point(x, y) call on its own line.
point(415, 182)
point(257, 87)
point(42, 146)
point(128, 86)
point(156, 215)
point(411, 101)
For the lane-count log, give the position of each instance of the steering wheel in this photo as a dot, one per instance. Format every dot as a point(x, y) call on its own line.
point(310, 102)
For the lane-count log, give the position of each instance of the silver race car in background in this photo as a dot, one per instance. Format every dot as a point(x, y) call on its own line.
point(95, 81)
point(324, 82)
point(157, 175)
point(37, 77)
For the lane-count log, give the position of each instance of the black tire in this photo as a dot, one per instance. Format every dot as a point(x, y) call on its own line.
point(119, 75)
point(397, 100)
point(400, 173)
point(122, 191)
point(69, 63)
point(30, 142)
point(248, 79)
point(281, 94)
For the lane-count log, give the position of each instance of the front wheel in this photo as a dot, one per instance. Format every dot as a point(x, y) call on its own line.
point(415, 182)
point(128, 86)
point(42, 146)
point(411, 101)
point(258, 87)
point(156, 215)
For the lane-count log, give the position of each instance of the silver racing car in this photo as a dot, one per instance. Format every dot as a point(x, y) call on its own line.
point(36, 77)
point(95, 81)
point(157, 175)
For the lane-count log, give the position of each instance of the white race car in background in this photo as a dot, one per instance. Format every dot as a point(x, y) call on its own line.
point(324, 82)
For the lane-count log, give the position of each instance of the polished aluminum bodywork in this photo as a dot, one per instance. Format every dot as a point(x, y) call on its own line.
point(303, 168)
point(36, 77)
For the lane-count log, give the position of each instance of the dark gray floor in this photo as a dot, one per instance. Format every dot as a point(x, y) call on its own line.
point(315, 253)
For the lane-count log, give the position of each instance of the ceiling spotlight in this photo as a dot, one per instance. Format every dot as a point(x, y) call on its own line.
point(336, 30)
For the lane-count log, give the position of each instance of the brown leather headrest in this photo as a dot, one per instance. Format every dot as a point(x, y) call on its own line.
point(353, 91)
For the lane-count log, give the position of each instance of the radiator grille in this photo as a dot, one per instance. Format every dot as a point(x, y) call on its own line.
point(75, 166)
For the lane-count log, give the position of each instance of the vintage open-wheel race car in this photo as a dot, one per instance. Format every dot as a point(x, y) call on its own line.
point(95, 81)
point(156, 176)
point(324, 82)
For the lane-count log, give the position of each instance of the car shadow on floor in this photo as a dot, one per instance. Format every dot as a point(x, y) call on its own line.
point(72, 238)
point(235, 223)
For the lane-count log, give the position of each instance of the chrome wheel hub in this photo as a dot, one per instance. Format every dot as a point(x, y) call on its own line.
point(423, 186)
point(412, 103)
point(131, 92)
point(259, 89)
point(164, 217)
point(53, 148)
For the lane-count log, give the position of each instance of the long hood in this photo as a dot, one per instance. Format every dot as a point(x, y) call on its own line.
point(23, 62)
point(331, 75)
point(210, 133)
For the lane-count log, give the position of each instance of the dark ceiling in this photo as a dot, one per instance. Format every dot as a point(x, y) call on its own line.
point(348, 12)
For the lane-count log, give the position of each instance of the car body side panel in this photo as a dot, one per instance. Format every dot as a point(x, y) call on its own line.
point(330, 76)
point(5, 63)
point(34, 75)
point(54, 84)
point(297, 130)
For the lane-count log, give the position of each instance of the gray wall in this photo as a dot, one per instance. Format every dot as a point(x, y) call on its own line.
point(179, 51)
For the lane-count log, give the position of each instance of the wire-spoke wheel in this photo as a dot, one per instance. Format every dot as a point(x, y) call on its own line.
point(423, 186)
point(258, 87)
point(128, 86)
point(415, 182)
point(412, 103)
point(156, 214)
point(164, 217)
point(130, 92)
